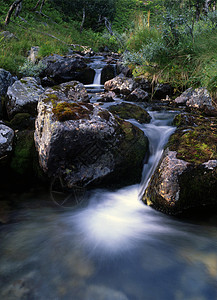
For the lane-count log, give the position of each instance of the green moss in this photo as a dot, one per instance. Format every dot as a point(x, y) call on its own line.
point(196, 144)
point(22, 158)
point(51, 98)
point(70, 111)
point(104, 115)
point(130, 111)
point(23, 81)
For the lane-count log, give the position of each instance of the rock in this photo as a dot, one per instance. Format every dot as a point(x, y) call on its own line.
point(162, 90)
point(62, 69)
point(6, 140)
point(84, 144)
point(108, 72)
point(103, 293)
point(130, 111)
point(33, 54)
point(199, 99)
point(6, 80)
point(143, 83)
point(186, 176)
point(138, 95)
point(120, 85)
point(125, 70)
point(7, 35)
point(73, 91)
point(23, 96)
point(106, 97)
point(184, 97)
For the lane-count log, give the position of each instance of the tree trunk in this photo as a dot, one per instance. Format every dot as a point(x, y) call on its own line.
point(18, 9)
point(83, 19)
point(11, 9)
point(108, 26)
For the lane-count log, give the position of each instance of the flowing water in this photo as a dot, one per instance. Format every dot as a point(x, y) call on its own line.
point(111, 247)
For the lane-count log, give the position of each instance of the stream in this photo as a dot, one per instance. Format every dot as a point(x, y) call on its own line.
point(111, 246)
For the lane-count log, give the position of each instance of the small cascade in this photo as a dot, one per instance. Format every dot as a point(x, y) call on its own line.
point(97, 78)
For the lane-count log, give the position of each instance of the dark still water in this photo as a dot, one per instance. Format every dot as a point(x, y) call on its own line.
point(111, 247)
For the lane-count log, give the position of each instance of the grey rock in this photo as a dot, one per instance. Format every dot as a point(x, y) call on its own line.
point(120, 85)
point(6, 139)
point(7, 35)
point(138, 95)
point(83, 143)
point(108, 72)
point(23, 96)
point(200, 97)
point(6, 80)
point(184, 97)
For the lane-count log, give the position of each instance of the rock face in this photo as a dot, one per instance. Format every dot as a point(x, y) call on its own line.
point(186, 176)
point(162, 90)
point(62, 69)
point(120, 85)
point(130, 111)
point(23, 96)
point(6, 139)
point(84, 144)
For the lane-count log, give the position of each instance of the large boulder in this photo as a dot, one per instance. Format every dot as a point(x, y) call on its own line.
point(61, 69)
point(130, 111)
point(6, 139)
point(23, 96)
point(84, 144)
point(120, 85)
point(186, 176)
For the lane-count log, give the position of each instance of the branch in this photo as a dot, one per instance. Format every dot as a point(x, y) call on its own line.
point(11, 9)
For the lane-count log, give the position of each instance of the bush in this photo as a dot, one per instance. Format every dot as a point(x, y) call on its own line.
point(31, 69)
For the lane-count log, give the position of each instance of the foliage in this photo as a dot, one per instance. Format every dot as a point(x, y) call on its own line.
point(31, 69)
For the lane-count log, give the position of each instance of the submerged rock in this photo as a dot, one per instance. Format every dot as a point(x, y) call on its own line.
point(84, 144)
point(130, 111)
point(186, 176)
point(23, 96)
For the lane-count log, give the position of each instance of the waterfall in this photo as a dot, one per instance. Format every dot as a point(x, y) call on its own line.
point(97, 78)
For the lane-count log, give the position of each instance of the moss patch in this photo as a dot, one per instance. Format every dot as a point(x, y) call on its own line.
point(196, 143)
point(71, 111)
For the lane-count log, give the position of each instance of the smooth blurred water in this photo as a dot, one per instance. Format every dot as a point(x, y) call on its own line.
point(112, 247)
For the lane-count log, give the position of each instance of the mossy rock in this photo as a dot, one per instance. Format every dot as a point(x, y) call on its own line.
point(64, 111)
point(130, 111)
point(195, 140)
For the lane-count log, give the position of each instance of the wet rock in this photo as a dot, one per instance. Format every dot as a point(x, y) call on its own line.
point(23, 96)
point(162, 90)
point(85, 144)
point(138, 95)
point(62, 69)
point(186, 176)
point(130, 111)
point(6, 140)
point(120, 85)
point(108, 72)
point(100, 292)
point(106, 97)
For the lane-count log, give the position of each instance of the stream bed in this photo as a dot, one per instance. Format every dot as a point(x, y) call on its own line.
point(110, 247)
